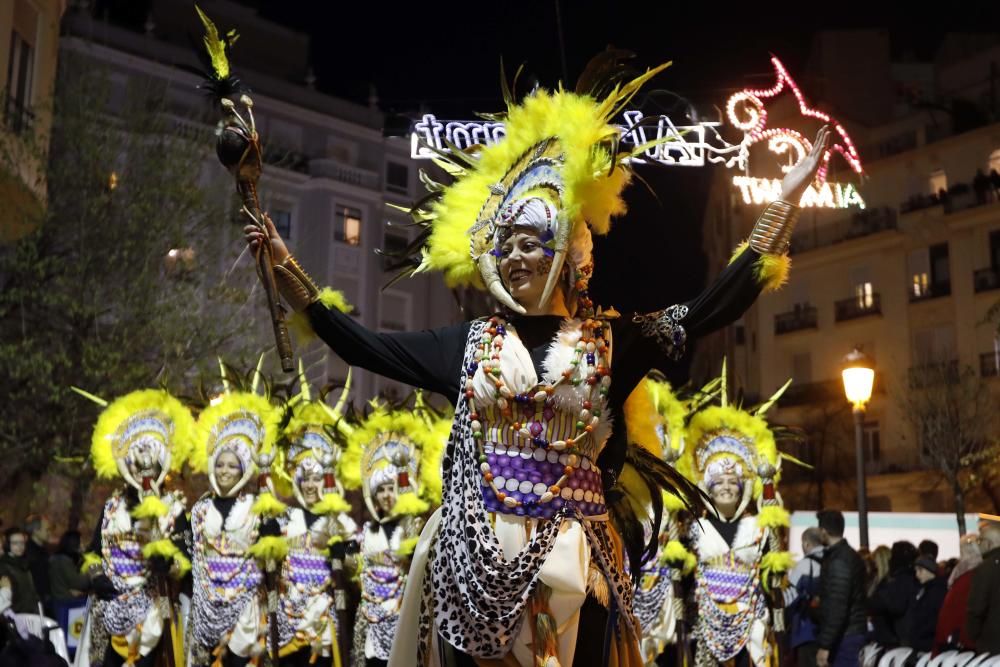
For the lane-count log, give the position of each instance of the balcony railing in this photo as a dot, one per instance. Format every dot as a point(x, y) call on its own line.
point(803, 317)
point(338, 171)
point(984, 280)
point(932, 291)
point(862, 223)
point(857, 306)
point(989, 364)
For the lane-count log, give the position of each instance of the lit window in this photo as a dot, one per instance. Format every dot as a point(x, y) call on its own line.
point(348, 226)
point(920, 284)
point(938, 181)
point(994, 161)
point(865, 295)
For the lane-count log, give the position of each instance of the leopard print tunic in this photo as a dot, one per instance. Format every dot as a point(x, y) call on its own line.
point(472, 596)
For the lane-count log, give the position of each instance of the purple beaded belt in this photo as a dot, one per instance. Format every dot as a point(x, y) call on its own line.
point(527, 473)
point(726, 584)
point(308, 568)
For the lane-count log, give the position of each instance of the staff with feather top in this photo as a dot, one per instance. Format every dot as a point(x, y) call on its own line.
point(239, 150)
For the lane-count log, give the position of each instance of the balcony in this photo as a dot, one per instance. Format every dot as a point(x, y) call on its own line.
point(857, 306)
point(989, 364)
point(338, 171)
point(862, 223)
point(959, 197)
point(932, 291)
point(984, 280)
point(802, 317)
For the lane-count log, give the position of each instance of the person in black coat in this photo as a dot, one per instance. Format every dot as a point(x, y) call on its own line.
point(842, 622)
point(925, 605)
point(889, 605)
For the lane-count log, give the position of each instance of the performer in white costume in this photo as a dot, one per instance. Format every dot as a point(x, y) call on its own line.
point(311, 593)
point(229, 610)
point(739, 542)
point(138, 549)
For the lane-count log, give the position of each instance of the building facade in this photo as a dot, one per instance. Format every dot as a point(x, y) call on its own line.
point(910, 277)
point(29, 47)
point(330, 178)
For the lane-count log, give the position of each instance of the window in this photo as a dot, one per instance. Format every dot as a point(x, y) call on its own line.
point(863, 291)
point(282, 220)
point(394, 244)
point(394, 311)
point(994, 164)
point(802, 368)
point(348, 225)
point(741, 334)
point(20, 70)
point(938, 181)
point(940, 269)
point(397, 177)
point(995, 249)
point(930, 272)
point(934, 345)
point(871, 442)
point(865, 295)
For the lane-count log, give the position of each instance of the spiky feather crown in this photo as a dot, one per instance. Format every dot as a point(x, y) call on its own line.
point(150, 415)
point(377, 444)
point(561, 154)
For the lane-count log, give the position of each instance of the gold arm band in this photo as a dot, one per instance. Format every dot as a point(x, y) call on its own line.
point(295, 285)
point(772, 232)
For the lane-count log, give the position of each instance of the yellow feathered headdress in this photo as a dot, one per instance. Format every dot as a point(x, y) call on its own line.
point(726, 439)
point(310, 442)
point(558, 170)
point(150, 421)
point(402, 447)
point(246, 425)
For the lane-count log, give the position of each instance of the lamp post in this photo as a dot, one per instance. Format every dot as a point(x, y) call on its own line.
point(859, 376)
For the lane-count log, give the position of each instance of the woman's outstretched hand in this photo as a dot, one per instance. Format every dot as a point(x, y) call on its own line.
point(798, 179)
point(254, 235)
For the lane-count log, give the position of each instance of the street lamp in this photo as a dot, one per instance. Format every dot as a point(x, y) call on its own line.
point(859, 376)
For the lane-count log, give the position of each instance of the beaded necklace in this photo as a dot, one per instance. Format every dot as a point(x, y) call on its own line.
point(590, 366)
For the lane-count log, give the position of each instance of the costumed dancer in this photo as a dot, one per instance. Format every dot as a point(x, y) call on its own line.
point(521, 563)
point(317, 531)
point(659, 600)
point(232, 602)
point(394, 455)
point(138, 550)
point(739, 542)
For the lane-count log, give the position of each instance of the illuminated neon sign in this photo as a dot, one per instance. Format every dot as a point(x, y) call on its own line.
point(817, 195)
point(685, 146)
point(693, 145)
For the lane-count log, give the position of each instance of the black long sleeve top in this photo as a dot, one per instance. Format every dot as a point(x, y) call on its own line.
point(432, 359)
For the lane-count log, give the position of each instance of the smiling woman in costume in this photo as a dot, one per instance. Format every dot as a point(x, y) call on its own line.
point(228, 623)
point(394, 455)
point(315, 531)
point(739, 542)
point(520, 565)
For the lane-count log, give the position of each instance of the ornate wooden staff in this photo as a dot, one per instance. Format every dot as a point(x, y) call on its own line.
point(239, 150)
